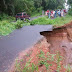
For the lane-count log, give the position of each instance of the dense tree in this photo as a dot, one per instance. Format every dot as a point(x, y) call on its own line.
point(12, 7)
point(70, 2)
point(49, 4)
point(7, 6)
point(23, 5)
point(70, 8)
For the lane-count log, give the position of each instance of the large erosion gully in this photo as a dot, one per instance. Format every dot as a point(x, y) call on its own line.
point(61, 39)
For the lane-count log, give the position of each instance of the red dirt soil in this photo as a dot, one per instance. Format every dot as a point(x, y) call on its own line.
point(33, 52)
point(60, 39)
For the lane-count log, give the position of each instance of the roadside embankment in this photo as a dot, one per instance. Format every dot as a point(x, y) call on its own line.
point(53, 53)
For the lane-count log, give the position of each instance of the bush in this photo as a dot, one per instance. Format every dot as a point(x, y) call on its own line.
point(59, 21)
point(37, 12)
point(6, 17)
point(70, 12)
point(7, 24)
point(6, 27)
point(41, 21)
point(27, 20)
point(19, 24)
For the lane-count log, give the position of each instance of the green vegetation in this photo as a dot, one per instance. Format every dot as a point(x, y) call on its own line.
point(68, 68)
point(46, 60)
point(34, 14)
point(59, 58)
point(7, 27)
point(56, 22)
point(7, 24)
point(70, 4)
point(11, 7)
point(70, 12)
point(6, 17)
point(42, 60)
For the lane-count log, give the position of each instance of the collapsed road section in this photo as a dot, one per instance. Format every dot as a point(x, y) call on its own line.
point(19, 40)
point(61, 39)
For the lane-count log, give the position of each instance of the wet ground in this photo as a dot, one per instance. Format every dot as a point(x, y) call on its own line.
point(18, 41)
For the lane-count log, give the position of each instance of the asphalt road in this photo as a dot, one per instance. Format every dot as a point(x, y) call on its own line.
point(32, 18)
point(17, 41)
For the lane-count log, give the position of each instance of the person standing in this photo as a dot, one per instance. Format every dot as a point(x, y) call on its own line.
point(59, 13)
point(46, 13)
point(62, 13)
point(42, 12)
point(55, 14)
point(49, 13)
point(52, 13)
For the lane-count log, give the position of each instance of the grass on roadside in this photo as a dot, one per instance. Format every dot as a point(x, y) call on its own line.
point(6, 27)
point(45, 62)
point(7, 24)
point(56, 22)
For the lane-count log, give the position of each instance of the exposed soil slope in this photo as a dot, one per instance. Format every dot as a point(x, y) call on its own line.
point(32, 54)
point(60, 39)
